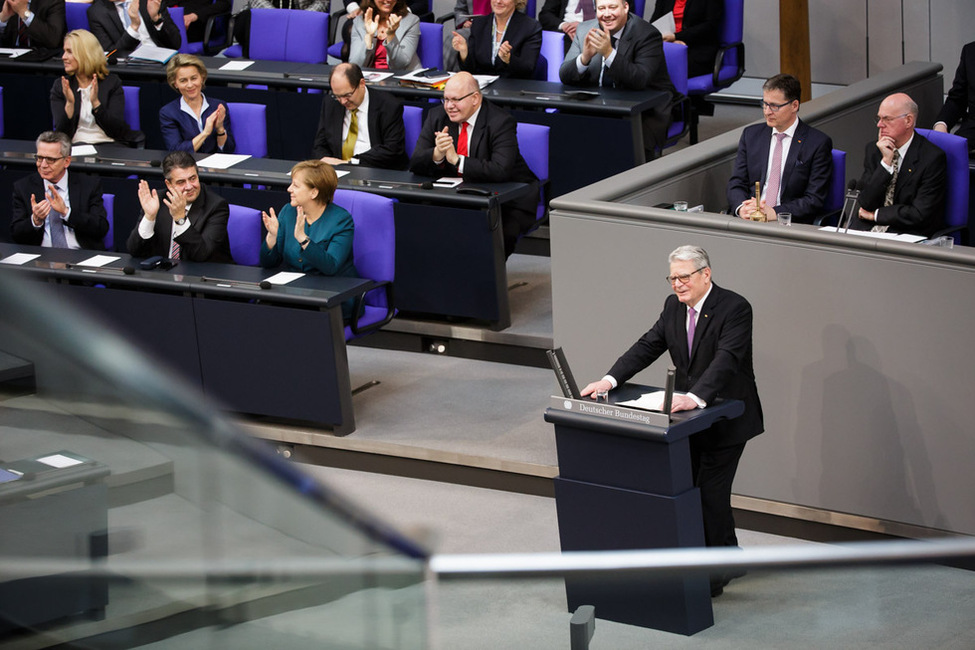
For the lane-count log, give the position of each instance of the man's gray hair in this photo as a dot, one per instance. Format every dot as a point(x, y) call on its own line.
point(56, 137)
point(694, 254)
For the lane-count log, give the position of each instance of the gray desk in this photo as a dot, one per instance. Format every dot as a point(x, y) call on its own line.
point(227, 337)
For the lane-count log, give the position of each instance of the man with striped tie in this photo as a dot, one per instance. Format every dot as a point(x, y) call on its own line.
point(189, 222)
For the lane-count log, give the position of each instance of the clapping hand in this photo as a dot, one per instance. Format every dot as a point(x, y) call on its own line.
point(504, 52)
point(176, 202)
point(149, 200)
point(271, 225)
point(459, 43)
point(444, 148)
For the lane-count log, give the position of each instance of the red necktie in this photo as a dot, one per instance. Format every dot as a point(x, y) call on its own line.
point(23, 40)
point(462, 140)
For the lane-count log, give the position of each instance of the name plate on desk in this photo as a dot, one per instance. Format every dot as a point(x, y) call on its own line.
point(611, 411)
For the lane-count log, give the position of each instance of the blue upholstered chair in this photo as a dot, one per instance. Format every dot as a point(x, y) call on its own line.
point(132, 107)
point(176, 13)
point(374, 253)
point(412, 122)
point(244, 232)
point(250, 128)
point(430, 48)
point(76, 15)
point(287, 35)
point(554, 53)
point(533, 145)
point(835, 191)
point(108, 200)
point(675, 55)
point(956, 192)
point(729, 65)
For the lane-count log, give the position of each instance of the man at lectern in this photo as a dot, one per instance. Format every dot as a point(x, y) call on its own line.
point(708, 332)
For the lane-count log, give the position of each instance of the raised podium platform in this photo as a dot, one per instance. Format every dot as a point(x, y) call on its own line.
point(625, 483)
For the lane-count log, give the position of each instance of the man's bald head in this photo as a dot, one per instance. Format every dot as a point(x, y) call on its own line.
point(461, 97)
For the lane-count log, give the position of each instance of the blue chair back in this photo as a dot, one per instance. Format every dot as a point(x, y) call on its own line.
point(430, 49)
point(249, 122)
point(289, 35)
point(76, 15)
point(412, 122)
point(731, 52)
point(131, 94)
point(675, 55)
point(244, 232)
point(957, 186)
point(836, 191)
point(374, 254)
point(554, 53)
point(176, 13)
point(637, 7)
point(533, 145)
point(108, 200)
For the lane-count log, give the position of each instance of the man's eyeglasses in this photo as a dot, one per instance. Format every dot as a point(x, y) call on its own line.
point(887, 119)
point(452, 100)
point(50, 160)
point(774, 107)
point(683, 279)
point(343, 96)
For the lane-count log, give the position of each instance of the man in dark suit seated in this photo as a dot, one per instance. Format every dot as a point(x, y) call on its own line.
point(792, 161)
point(123, 26)
point(55, 209)
point(32, 24)
point(904, 175)
point(565, 16)
point(196, 13)
point(707, 331)
point(621, 50)
point(472, 138)
point(194, 224)
point(960, 104)
point(358, 125)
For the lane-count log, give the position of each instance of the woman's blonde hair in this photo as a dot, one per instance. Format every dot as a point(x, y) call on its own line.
point(182, 61)
point(88, 53)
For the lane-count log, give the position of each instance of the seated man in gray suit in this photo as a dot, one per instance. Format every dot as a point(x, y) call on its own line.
point(192, 226)
point(621, 50)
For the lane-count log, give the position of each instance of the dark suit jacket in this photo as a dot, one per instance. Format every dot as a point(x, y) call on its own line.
point(204, 241)
point(386, 132)
point(919, 195)
point(700, 29)
point(525, 36)
point(46, 30)
point(493, 154)
point(960, 104)
point(88, 218)
point(203, 10)
point(639, 64)
point(179, 129)
point(110, 115)
point(552, 13)
point(720, 366)
point(805, 179)
point(105, 24)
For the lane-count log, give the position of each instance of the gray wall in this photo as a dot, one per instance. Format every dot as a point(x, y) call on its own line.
point(862, 348)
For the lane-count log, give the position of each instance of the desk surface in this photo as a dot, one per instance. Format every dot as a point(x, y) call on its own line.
point(218, 280)
point(113, 159)
point(292, 75)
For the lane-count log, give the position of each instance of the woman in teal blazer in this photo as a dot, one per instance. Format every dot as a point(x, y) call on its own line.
point(311, 234)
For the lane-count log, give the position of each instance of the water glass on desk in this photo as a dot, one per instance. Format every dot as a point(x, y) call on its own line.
point(785, 218)
point(680, 206)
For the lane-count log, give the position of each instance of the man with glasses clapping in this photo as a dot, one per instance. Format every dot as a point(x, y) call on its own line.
point(54, 210)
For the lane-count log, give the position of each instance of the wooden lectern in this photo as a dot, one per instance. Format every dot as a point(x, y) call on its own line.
point(625, 483)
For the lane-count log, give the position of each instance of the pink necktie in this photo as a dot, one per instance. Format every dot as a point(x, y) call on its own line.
point(774, 175)
point(691, 326)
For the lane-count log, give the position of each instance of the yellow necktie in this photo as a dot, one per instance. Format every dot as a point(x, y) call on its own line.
point(348, 147)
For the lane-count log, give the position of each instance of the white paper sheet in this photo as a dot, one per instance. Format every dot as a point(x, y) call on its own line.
point(649, 401)
point(19, 258)
point(374, 77)
point(222, 160)
point(892, 236)
point(284, 277)
point(665, 24)
point(59, 461)
point(79, 150)
point(236, 65)
point(98, 260)
point(447, 182)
